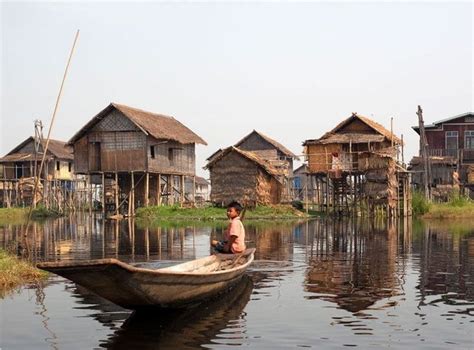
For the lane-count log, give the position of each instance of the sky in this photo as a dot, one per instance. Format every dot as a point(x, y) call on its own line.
point(289, 70)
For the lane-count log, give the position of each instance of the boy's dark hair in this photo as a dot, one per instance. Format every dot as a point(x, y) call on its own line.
point(236, 205)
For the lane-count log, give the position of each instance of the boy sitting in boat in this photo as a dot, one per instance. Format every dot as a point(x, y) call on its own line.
point(234, 238)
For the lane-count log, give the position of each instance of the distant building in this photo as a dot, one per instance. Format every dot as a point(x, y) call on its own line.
point(451, 151)
point(270, 152)
point(243, 176)
point(19, 167)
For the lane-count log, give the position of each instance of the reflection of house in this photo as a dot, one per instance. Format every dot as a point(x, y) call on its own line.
point(243, 176)
point(19, 167)
point(451, 148)
point(353, 270)
point(357, 162)
point(138, 157)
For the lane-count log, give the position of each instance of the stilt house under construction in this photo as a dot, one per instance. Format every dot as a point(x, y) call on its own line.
point(19, 167)
point(354, 166)
point(243, 176)
point(138, 158)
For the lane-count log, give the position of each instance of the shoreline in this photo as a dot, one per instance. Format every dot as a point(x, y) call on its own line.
point(15, 273)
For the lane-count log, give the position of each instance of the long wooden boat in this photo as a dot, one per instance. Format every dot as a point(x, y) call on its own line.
point(176, 286)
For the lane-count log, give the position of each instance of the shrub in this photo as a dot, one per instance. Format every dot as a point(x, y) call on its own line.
point(420, 204)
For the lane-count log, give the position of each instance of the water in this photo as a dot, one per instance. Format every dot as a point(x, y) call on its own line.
point(318, 284)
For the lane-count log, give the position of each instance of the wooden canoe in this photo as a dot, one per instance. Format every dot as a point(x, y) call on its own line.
point(176, 286)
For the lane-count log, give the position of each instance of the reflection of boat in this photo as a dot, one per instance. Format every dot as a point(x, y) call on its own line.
point(171, 287)
point(188, 328)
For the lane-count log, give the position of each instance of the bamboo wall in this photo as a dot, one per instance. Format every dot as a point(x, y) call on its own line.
point(320, 158)
point(236, 178)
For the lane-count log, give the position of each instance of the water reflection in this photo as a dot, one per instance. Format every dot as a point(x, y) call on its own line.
point(218, 321)
point(375, 279)
point(353, 264)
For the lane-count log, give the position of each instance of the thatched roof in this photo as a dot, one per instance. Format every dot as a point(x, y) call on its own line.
point(246, 154)
point(334, 136)
point(59, 149)
point(22, 157)
point(159, 126)
point(271, 141)
point(433, 160)
point(201, 181)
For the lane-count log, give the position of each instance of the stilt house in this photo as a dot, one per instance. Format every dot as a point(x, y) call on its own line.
point(137, 157)
point(243, 176)
point(356, 163)
point(19, 167)
point(273, 154)
point(451, 155)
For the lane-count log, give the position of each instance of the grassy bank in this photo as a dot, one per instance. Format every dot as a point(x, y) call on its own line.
point(456, 207)
point(168, 213)
point(19, 215)
point(15, 272)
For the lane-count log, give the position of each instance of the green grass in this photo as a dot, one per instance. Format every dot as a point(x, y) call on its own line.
point(15, 272)
point(216, 214)
point(456, 207)
point(13, 215)
point(42, 212)
point(419, 204)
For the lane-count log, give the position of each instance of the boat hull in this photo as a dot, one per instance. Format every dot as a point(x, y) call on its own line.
point(136, 288)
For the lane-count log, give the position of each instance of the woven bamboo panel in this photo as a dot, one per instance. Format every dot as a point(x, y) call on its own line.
point(320, 157)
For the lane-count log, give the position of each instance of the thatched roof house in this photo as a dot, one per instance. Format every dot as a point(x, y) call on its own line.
point(350, 142)
point(243, 176)
point(123, 138)
point(20, 161)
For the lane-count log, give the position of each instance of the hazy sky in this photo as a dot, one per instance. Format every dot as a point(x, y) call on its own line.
point(291, 71)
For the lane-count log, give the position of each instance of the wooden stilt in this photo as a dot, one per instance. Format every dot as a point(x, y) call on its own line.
point(116, 194)
point(90, 194)
point(181, 189)
point(132, 199)
point(103, 193)
point(158, 190)
point(147, 189)
point(170, 190)
point(194, 190)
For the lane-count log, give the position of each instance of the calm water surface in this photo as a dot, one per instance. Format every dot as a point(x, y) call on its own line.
point(325, 284)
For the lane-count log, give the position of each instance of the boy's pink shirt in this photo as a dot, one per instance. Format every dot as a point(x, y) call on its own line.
point(237, 229)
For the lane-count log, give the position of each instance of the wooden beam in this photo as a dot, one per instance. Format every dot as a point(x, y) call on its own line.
point(147, 189)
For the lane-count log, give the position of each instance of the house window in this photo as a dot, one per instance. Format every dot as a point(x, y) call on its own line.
point(469, 139)
point(170, 156)
point(58, 165)
point(69, 166)
point(451, 140)
point(152, 152)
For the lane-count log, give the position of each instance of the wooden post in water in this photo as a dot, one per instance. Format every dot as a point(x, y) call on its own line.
point(424, 155)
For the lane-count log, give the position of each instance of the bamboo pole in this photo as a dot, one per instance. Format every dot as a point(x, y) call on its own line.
point(103, 193)
point(158, 191)
point(45, 148)
point(147, 188)
point(116, 194)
